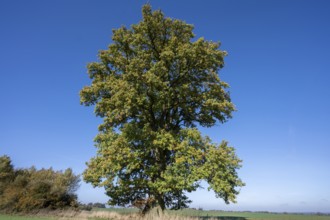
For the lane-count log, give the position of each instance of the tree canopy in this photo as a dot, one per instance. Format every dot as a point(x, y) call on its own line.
point(153, 86)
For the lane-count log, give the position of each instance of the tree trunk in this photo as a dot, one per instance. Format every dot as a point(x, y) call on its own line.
point(160, 201)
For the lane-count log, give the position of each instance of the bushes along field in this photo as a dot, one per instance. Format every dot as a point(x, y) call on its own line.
point(23, 190)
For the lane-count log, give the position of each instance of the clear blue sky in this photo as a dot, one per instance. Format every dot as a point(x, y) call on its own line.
point(278, 69)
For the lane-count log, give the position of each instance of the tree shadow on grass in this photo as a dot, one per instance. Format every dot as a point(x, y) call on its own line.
point(221, 218)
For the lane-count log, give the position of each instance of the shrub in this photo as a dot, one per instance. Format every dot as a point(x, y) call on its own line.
point(24, 190)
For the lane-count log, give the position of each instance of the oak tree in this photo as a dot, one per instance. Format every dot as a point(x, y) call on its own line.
point(153, 86)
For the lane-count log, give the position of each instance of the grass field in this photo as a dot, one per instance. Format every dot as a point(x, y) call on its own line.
point(187, 214)
point(221, 215)
point(14, 217)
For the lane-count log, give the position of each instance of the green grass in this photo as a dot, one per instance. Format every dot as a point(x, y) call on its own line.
point(16, 217)
point(221, 215)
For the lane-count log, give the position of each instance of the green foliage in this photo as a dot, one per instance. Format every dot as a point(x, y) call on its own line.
point(152, 87)
point(98, 205)
point(29, 189)
point(6, 172)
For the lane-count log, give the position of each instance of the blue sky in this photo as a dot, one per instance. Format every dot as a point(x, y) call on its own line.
point(277, 68)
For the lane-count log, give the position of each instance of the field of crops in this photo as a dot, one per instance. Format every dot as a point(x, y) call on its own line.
point(187, 214)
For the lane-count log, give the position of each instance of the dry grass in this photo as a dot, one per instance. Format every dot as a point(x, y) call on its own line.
point(116, 216)
point(106, 215)
point(97, 215)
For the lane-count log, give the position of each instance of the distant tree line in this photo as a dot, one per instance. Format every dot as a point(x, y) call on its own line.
point(97, 205)
point(90, 206)
point(24, 190)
